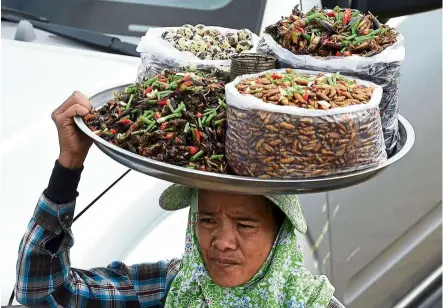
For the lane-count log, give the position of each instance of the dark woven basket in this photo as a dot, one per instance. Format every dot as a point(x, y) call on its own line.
point(251, 63)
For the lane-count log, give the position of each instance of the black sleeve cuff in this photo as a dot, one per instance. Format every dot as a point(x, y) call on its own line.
point(62, 187)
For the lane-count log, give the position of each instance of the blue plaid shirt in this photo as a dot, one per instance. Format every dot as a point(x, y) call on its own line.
point(45, 277)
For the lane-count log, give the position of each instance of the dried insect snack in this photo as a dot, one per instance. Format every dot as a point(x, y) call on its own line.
point(178, 118)
point(269, 139)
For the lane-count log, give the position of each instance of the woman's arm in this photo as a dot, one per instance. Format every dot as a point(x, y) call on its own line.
point(45, 277)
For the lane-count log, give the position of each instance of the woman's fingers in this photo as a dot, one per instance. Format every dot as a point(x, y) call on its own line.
point(75, 110)
point(76, 98)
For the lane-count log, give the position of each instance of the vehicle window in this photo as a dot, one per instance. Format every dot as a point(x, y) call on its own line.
point(190, 4)
point(166, 241)
point(133, 17)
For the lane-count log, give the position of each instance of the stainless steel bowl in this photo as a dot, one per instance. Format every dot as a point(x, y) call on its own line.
point(240, 184)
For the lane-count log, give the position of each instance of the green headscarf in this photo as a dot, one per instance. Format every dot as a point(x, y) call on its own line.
point(282, 281)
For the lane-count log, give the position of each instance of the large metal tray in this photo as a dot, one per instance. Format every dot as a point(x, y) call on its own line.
point(240, 184)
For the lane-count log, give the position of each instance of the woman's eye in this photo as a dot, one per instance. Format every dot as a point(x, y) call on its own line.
point(245, 226)
point(206, 220)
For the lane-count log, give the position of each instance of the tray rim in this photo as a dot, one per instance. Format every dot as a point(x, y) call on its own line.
point(163, 167)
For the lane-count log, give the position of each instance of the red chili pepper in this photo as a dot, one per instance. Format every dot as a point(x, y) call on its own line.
point(347, 16)
point(125, 121)
point(197, 135)
point(306, 96)
point(188, 83)
point(169, 135)
point(300, 30)
point(149, 90)
point(157, 115)
point(331, 14)
point(347, 53)
point(163, 80)
point(163, 102)
point(192, 150)
point(164, 125)
point(113, 131)
point(276, 76)
point(198, 115)
point(338, 54)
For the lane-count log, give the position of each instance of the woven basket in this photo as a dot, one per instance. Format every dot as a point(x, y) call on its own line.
point(251, 63)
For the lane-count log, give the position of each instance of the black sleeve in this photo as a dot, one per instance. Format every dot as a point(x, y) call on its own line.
point(62, 187)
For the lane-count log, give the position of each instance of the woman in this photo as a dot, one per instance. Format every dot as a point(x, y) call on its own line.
point(241, 250)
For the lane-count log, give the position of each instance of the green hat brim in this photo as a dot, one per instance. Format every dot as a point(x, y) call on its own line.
point(178, 197)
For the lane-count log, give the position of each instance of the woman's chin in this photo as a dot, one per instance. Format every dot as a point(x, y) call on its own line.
point(227, 280)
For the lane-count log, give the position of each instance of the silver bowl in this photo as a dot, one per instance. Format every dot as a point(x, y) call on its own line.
point(240, 184)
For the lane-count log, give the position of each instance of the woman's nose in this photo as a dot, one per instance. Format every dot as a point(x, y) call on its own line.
point(224, 239)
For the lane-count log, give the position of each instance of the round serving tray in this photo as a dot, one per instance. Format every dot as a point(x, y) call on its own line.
point(240, 184)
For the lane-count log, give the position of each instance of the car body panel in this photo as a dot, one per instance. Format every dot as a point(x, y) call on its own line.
point(375, 215)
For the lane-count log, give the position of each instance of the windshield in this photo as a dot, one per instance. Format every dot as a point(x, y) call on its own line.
point(134, 17)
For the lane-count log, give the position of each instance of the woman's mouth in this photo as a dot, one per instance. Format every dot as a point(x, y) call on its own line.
point(224, 263)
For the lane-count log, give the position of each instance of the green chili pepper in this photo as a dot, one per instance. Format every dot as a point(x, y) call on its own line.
point(204, 118)
point(348, 38)
point(170, 107)
point(208, 111)
point(363, 38)
point(131, 89)
point(310, 12)
point(145, 120)
point(159, 83)
point(148, 113)
point(180, 108)
point(168, 117)
point(306, 36)
point(355, 26)
point(209, 119)
point(172, 86)
point(221, 102)
point(315, 16)
point(163, 94)
point(214, 157)
point(317, 30)
point(339, 17)
point(138, 132)
point(150, 81)
point(151, 126)
point(197, 156)
point(130, 101)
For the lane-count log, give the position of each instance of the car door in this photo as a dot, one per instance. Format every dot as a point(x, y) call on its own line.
point(385, 238)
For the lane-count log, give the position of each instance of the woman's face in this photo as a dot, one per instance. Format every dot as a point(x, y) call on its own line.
point(236, 234)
